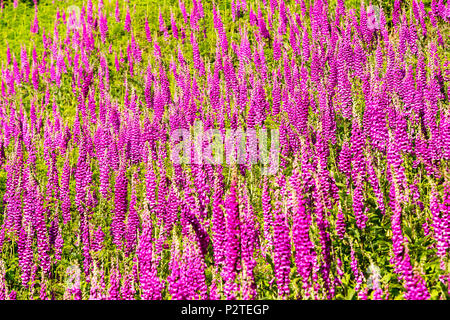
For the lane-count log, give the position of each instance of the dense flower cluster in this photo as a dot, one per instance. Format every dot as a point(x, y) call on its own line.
point(357, 99)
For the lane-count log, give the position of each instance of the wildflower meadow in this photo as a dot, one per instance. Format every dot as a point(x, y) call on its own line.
point(224, 150)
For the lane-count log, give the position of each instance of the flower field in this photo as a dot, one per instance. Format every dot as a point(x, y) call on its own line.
point(243, 149)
